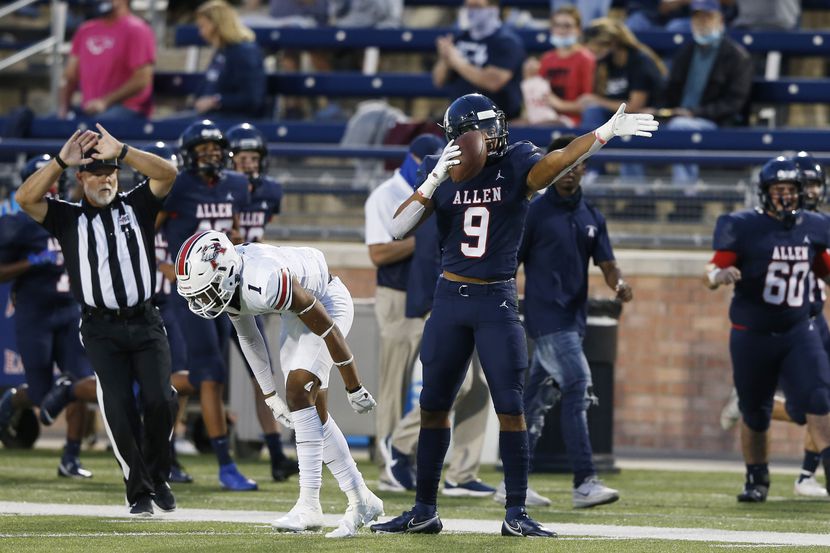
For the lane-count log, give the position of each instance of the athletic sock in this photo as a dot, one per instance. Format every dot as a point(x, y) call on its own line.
point(221, 448)
point(432, 448)
point(274, 443)
point(72, 449)
point(338, 459)
point(809, 464)
point(308, 431)
point(515, 458)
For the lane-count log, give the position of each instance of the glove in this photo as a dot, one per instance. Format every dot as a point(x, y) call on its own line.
point(626, 124)
point(361, 400)
point(441, 170)
point(46, 257)
point(280, 410)
point(729, 275)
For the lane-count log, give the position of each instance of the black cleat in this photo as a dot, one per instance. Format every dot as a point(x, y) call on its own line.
point(143, 506)
point(178, 475)
point(523, 526)
point(163, 498)
point(284, 468)
point(753, 493)
point(55, 400)
point(409, 523)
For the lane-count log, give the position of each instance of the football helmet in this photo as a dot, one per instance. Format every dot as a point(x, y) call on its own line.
point(163, 151)
point(812, 172)
point(247, 138)
point(778, 170)
point(478, 112)
point(37, 162)
point(207, 273)
point(199, 133)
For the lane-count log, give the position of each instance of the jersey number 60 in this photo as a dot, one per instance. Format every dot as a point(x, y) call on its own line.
point(779, 289)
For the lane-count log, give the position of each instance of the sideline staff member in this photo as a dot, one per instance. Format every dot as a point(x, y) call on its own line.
point(108, 245)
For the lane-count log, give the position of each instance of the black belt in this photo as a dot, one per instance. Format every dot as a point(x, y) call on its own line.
point(122, 313)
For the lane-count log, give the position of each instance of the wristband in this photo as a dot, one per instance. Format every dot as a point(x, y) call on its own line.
point(61, 163)
point(353, 390)
point(123, 154)
point(428, 188)
point(344, 363)
point(712, 275)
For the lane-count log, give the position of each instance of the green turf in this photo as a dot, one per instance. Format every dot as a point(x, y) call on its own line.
point(649, 498)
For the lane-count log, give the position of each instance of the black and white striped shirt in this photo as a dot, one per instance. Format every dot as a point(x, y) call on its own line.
point(109, 252)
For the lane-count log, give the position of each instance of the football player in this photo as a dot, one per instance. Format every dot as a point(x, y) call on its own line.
point(480, 222)
point(317, 312)
point(46, 324)
point(206, 196)
point(768, 254)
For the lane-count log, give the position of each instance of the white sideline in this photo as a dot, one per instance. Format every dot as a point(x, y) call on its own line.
point(451, 525)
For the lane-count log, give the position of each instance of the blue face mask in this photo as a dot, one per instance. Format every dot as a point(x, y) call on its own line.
point(712, 37)
point(563, 41)
point(483, 22)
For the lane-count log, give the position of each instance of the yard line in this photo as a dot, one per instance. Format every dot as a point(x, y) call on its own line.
point(450, 525)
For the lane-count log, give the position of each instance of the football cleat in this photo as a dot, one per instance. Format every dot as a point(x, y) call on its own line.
point(358, 515)
point(409, 523)
point(282, 469)
point(593, 492)
point(472, 488)
point(532, 498)
point(523, 526)
point(231, 479)
point(178, 475)
point(163, 498)
point(55, 400)
point(143, 506)
point(808, 486)
point(301, 517)
point(753, 493)
point(70, 467)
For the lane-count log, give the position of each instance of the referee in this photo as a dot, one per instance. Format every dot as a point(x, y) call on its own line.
point(108, 245)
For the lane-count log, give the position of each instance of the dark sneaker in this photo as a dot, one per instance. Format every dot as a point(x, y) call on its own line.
point(179, 476)
point(70, 467)
point(55, 400)
point(282, 469)
point(409, 523)
point(472, 488)
point(231, 479)
point(163, 498)
point(753, 493)
point(143, 506)
point(525, 527)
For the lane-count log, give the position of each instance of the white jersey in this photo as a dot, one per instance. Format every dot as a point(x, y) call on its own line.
point(265, 285)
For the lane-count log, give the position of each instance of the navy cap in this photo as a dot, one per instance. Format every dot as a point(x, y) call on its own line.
point(97, 163)
point(426, 145)
point(705, 6)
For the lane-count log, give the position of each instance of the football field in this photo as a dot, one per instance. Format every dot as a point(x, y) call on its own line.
point(660, 510)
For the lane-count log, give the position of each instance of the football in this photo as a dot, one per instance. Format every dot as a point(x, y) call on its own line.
point(473, 156)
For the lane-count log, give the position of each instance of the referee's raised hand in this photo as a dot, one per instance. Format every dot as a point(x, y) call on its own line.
point(72, 153)
point(108, 146)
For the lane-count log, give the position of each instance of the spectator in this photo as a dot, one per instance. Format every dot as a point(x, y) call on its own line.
point(768, 15)
point(658, 15)
point(709, 82)
point(627, 71)
point(485, 58)
point(111, 61)
point(367, 13)
point(569, 67)
point(234, 83)
point(587, 9)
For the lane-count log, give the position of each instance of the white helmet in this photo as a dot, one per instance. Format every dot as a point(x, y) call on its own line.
point(207, 272)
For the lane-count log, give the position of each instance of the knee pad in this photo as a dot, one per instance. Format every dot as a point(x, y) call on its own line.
point(819, 402)
point(507, 402)
point(434, 399)
point(757, 420)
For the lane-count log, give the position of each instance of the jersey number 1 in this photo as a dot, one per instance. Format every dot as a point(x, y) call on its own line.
point(476, 223)
point(785, 283)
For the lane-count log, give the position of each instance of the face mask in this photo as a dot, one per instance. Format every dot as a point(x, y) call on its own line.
point(562, 41)
point(481, 22)
point(709, 38)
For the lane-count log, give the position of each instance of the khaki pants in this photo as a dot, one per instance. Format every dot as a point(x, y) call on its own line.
point(471, 409)
point(400, 339)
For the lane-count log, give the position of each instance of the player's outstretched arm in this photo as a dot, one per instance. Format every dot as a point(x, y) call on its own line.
point(557, 163)
point(419, 206)
point(318, 321)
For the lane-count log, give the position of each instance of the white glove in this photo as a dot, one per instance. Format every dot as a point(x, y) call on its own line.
point(441, 170)
point(280, 410)
point(362, 401)
point(626, 124)
point(729, 275)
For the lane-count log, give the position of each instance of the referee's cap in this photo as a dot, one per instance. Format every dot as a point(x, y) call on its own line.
point(97, 163)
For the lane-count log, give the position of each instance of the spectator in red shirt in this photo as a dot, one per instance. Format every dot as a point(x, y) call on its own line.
point(569, 67)
point(112, 63)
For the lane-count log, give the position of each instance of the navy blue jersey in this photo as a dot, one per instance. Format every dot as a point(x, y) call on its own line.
point(42, 286)
point(195, 205)
point(266, 195)
point(480, 221)
point(818, 295)
point(775, 262)
point(561, 236)
point(163, 286)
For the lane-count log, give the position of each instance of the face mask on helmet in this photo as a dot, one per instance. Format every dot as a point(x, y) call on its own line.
point(812, 178)
point(207, 273)
point(477, 112)
point(781, 170)
point(203, 132)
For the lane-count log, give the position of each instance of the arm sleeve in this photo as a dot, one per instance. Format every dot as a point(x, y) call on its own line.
point(253, 348)
point(723, 259)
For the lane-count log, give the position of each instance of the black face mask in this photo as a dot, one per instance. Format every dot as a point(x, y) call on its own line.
point(99, 9)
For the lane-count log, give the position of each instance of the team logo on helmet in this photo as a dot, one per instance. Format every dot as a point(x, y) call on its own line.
point(211, 251)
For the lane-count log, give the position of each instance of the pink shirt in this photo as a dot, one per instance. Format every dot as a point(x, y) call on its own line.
point(109, 52)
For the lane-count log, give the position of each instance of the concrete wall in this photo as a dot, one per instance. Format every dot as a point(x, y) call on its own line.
point(673, 372)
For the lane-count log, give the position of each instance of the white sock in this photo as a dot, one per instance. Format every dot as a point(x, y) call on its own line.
point(339, 460)
point(308, 432)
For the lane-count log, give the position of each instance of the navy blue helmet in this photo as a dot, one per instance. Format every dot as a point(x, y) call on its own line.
point(197, 133)
point(35, 163)
point(811, 172)
point(163, 151)
point(778, 170)
point(478, 112)
point(247, 138)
